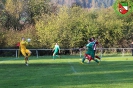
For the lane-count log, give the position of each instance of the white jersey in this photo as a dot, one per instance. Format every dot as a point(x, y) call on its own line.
point(56, 47)
point(94, 48)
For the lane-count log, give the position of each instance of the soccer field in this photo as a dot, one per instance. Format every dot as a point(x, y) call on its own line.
point(66, 72)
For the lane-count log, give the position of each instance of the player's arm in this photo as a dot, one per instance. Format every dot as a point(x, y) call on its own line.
point(99, 44)
point(83, 48)
point(24, 42)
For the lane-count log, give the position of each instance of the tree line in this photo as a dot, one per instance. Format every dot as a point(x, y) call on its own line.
point(46, 23)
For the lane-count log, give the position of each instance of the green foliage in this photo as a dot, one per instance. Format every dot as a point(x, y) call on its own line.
point(110, 30)
point(9, 38)
point(73, 26)
point(70, 27)
point(67, 28)
point(11, 11)
point(38, 7)
point(2, 38)
point(3, 18)
point(13, 7)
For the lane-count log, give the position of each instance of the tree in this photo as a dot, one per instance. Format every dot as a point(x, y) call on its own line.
point(110, 30)
point(12, 10)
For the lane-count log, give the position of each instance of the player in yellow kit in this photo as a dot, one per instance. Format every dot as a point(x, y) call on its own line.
point(26, 53)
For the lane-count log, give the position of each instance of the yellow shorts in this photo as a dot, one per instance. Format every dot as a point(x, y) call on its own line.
point(25, 52)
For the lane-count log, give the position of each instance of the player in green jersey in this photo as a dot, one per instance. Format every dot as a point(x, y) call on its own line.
point(56, 51)
point(90, 53)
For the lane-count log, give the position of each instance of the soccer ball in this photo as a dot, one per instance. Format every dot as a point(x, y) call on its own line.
point(28, 40)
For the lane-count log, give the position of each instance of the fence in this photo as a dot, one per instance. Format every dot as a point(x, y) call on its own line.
point(75, 51)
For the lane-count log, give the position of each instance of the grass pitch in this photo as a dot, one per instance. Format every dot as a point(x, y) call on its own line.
point(66, 72)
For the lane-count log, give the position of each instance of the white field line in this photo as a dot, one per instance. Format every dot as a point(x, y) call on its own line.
point(8, 60)
point(72, 67)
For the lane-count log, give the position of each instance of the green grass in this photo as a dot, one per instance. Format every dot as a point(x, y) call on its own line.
point(67, 72)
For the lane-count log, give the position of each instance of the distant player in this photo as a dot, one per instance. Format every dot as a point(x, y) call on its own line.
point(25, 52)
point(56, 51)
point(90, 53)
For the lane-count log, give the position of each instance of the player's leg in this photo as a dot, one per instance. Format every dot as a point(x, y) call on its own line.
point(83, 59)
point(57, 54)
point(54, 55)
point(96, 60)
point(25, 56)
point(89, 58)
point(86, 56)
point(28, 52)
point(97, 57)
point(93, 56)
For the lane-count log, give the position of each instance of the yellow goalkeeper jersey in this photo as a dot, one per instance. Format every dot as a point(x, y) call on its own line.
point(23, 45)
